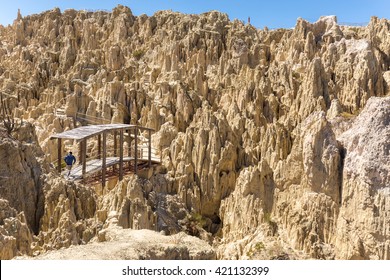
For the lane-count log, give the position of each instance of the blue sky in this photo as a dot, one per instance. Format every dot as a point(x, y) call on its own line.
point(270, 13)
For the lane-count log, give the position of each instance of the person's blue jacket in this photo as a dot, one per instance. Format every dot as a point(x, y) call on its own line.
point(70, 159)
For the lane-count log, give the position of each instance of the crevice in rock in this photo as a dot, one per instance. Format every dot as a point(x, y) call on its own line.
point(39, 209)
point(216, 224)
point(343, 153)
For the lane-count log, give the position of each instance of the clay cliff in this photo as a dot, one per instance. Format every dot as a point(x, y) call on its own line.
point(274, 143)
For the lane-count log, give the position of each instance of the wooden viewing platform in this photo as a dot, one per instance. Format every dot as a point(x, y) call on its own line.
point(139, 149)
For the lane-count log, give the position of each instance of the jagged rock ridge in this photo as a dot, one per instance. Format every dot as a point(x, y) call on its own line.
point(254, 126)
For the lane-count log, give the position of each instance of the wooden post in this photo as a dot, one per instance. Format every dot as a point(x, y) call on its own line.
point(121, 155)
point(81, 152)
point(59, 153)
point(99, 146)
point(135, 109)
point(129, 142)
point(150, 148)
point(115, 147)
point(115, 143)
point(104, 159)
point(136, 149)
point(129, 147)
point(84, 144)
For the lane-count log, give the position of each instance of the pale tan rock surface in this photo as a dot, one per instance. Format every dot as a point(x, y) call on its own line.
point(264, 153)
point(15, 235)
point(121, 244)
point(21, 182)
point(363, 225)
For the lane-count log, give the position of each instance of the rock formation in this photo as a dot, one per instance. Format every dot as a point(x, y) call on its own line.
point(119, 244)
point(362, 226)
point(21, 180)
point(273, 142)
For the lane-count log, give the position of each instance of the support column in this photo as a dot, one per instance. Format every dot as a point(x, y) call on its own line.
point(129, 147)
point(130, 106)
point(99, 146)
point(150, 148)
point(81, 152)
point(115, 147)
point(135, 109)
point(115, 143)
point(136, 149)
point(59, 154)
point(121, 155)
point(129, 142)
point(84, 149)
point(104, 159)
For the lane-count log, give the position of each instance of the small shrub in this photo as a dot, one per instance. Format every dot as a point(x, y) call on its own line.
point(255, 250)
point(199, 219)
point(138, 54)
point(259, 246)
point(273, 225)
point(347, 115)
point(9, 122)
point(267, 217)
point(193, 223)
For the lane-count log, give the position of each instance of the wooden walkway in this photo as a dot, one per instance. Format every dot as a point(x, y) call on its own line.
point(96, 165)
point(139, 154)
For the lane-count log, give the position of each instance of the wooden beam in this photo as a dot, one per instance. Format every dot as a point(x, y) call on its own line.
point(135, 109)
point(129, 142)
point(128, 131)
point(115, 147)
point(136, 149)
point(121, 155)
point(59, 154)
point(150, 148)
point(99, 146)
point(84, 158)
point(145, 128)
point(89, 131)
point(104, 159)
point(115, 143)
point(81, 152)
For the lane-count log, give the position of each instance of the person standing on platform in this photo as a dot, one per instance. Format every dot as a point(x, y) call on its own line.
point(70, 159)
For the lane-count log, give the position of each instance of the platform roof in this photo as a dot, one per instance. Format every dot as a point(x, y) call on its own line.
point(84, 132)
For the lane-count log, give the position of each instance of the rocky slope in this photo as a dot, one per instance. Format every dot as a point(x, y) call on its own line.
point(125, 244)
point(274, 142)
point(21, 180)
